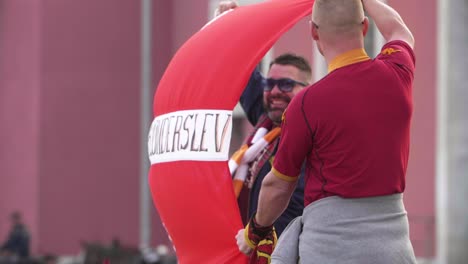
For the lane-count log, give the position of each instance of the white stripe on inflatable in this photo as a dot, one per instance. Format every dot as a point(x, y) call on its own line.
point(202, 135)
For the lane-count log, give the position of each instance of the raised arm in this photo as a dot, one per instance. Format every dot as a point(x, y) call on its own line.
point(388, 21)
point(251, 99)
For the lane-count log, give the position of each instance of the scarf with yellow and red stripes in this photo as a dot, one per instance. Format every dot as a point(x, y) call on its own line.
point(246, 162)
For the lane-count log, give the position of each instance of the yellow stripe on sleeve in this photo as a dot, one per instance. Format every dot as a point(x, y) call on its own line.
point(283, 176)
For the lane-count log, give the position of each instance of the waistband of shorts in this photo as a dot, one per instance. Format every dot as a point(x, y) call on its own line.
point(337, 205)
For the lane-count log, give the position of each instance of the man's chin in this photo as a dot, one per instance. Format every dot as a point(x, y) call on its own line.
point(275, 116)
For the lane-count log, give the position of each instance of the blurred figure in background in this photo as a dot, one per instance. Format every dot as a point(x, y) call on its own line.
point(16, 245)
point(49, 259)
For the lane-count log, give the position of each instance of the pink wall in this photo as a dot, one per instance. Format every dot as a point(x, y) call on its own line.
point(420, 193)
point(89, 115)
point(70, 105)
point(19, 112)
point(296, 40)
point(188, 18)
point(161, 55)
point(162, 38)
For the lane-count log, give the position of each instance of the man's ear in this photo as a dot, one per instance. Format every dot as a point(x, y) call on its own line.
point(365, 26)
point(314, 32)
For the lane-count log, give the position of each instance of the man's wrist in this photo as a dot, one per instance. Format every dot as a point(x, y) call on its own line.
point(260, 229)
point(254, 233)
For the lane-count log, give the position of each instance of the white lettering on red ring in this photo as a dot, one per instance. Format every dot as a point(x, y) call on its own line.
point(202, 135)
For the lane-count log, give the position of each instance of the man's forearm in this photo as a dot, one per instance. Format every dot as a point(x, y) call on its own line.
point(388, 21)
point(275, 194)
point(251, 99)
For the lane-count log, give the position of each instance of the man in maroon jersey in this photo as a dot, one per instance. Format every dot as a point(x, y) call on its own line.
point(353, 129)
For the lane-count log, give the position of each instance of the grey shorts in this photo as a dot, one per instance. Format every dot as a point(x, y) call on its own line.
point(355, 231)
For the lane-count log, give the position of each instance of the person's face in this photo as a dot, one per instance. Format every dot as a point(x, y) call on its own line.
point(275, 101)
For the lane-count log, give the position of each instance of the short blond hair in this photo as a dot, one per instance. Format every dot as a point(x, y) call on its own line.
point(338, 16)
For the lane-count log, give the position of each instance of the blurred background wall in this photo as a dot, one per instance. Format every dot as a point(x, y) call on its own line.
point(69, 97)
point(70, 112)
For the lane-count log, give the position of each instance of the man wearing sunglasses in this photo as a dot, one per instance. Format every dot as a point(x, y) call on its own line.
point(288, 74)
point(264, 101)
point(353, 129)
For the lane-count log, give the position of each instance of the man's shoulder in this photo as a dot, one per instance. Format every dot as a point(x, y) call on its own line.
point(398, 50)
point(319, 86)
point(395, 46)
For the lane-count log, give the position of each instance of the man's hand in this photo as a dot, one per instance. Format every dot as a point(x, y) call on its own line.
point(260, 239)
point(254, 233)
point(262, 252)
point(225, 6)
point(243, 247)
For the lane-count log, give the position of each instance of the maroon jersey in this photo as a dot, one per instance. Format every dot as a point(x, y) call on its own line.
point(352, 127)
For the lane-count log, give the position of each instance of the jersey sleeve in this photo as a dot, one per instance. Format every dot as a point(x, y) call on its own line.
point(401, 57)
point(295, 142)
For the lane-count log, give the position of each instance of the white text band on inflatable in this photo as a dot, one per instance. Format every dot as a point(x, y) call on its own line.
point(202, 135)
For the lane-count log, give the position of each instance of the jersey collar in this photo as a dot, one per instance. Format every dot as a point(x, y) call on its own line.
point(347, 58)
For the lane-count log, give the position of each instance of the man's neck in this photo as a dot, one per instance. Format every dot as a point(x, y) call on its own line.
point(276, 124)
point(347, 58)
point(337, 48)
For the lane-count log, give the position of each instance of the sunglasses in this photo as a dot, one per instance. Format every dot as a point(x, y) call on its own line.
point(285, 85)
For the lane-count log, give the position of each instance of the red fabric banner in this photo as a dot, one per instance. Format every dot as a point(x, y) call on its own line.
point(188, 143)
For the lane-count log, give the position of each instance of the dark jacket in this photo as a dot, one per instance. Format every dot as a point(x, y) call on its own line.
point(18, 241)
point(252, 102)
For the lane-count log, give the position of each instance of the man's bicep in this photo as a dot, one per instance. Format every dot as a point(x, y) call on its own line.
point(295, 142)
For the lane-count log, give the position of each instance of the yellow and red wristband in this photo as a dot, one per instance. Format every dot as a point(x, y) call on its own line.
point(254, 233)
